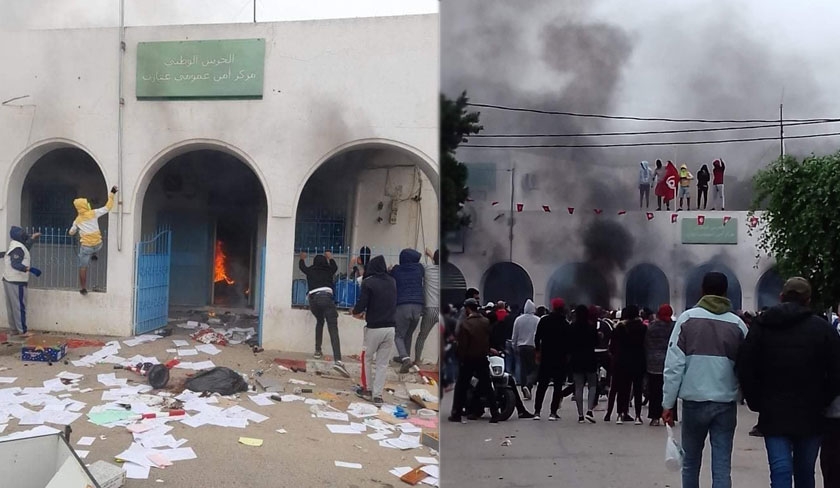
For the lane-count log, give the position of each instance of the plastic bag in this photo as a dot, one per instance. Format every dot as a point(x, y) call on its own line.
point(673, 452)
point(223, 381)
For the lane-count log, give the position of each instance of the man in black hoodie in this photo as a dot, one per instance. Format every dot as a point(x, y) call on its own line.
point(320, 277)
point(789, 371)
point(377, 305)
point(550, 343)
point(583, 340)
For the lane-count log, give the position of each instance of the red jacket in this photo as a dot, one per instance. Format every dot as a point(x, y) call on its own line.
point(719, 168)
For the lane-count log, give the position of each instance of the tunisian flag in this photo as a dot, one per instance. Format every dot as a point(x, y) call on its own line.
point(667, 186)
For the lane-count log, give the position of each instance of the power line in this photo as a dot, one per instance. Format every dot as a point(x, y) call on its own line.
point(639, 144)
point(627, 117)
point(650, 132)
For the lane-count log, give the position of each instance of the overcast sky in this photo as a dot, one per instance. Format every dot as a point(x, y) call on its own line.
point(50, 14)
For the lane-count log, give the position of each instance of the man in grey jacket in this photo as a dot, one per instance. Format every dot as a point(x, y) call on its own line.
point(524, 333)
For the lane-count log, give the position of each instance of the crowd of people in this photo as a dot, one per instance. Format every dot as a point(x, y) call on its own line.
point(783, 362)
point(656, 178)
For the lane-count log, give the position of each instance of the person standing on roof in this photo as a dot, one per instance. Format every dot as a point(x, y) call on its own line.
point(685, 186)
point(718, 201)
point(645, 179)
point(90, 238)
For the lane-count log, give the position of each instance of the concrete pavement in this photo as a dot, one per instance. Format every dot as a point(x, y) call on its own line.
point(565, 453)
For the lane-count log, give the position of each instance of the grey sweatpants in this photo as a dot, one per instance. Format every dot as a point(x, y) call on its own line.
point(408, 315)
point(431, 317)
point(16, 306)
point(591, 379)
point(378, 344)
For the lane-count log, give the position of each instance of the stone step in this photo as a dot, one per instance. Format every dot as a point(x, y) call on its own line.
point(355, 370)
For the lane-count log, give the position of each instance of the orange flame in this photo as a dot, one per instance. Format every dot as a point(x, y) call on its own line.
point(220, 265)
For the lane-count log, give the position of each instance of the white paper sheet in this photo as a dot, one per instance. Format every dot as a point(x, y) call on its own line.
point(136, 471)
point(70, 376)
point(342, 429)
point(430, 481)
point(426, 460)
point(7, 380)
point(409, 428)
point(261, 400)
point(399, 472)
point(187, 352)
point(432, 470)
point(179, 454)
point(342, 464)
point(82, 454)
point(208, 349)
point(378, 436)
point(180, 343)
point(292, 398)
point(85, 441)
point(340, 416)
point(358, 426)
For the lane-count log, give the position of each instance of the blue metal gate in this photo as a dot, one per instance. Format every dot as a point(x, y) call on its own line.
point(262, 297)
point(151, 274)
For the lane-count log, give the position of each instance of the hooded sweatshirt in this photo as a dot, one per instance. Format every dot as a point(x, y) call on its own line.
point(551, 338)
point(378, 296)
point(789, 369)
point(700, 362)
point(645, 174)
point(685, 176)
point(583, 340)
point(87, 221)
point(319, 276)
point(17, 257)
point(525, 326)
point(409, 277)
point(703, 177)
point(656, 340)
point(719, 168)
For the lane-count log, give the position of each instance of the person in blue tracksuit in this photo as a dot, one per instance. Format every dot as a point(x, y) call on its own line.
point(700, 370)
point(16, 279)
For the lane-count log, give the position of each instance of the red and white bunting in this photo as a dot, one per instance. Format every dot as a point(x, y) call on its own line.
point(470, 199)
point(546, 209)
point(598, 211)
point(753, 221)
point(701, 220)
point(726, 219)
point(674, 218)
point(494, 203)
point(571, 210)
point(649, 215)
point(622, 212)
point(520, 207)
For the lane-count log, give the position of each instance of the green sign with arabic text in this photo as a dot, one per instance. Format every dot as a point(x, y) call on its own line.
point(231, 68)
point(713, 231)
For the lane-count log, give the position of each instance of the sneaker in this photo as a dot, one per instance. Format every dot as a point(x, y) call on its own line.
point(527, 415)
point(626, 418)
point(536, 416)
point(526, 393)
point(494, 420)
point(606, 418)
point(406, 366)
point(589, 417)
point(618, 421)
point(581, 420)
point(473, 417)
point(83, 291)
point(363, 394)
point(318, 355)
point(455, 418)
point(377, 401)
point(552, 418)
point(638, 421)
point(654, 422)
point(339, 367)
point(414, 368)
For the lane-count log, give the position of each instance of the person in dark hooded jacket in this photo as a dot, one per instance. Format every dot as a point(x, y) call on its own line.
point(550, 343)
point(789, 371)
point(410, 301)
point(16, 278)
point(629, 350)
point(656, 347)
point(320, 277)
point(583, 361)
point(377, 305)
point(703, 177)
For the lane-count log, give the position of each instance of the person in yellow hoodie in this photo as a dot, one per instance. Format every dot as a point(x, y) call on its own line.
point(90, 238)
point(685, 183)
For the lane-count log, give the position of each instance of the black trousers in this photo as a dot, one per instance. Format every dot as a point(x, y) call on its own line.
point(654, 394)
point(466, 370)
point(547, 374)
point(702, 196)
point(627, 381)
point(528, 361)
point(322, 306)
point(830, 454)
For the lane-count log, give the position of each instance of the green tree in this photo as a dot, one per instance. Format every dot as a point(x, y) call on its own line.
point(456, 124)
point(800, 224)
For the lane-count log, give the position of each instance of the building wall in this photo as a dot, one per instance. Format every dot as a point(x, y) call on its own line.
point(329, 86)
point(544, 242)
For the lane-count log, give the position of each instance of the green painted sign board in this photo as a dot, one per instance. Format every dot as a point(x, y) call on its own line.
point(713, 231)
point(231, 68)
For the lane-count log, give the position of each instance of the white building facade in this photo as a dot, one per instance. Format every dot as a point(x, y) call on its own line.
point(333, 145)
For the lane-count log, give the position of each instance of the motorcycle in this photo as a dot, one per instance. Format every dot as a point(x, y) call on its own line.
point(501, 387)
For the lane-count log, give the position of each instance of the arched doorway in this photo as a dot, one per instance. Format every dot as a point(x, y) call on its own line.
point(694, 281)
point(365, 199)
point(768, 288)
point(453, 285)
point(216, 208)
point(508, 282)
point(50, 185)
point(578, 284)
point(647, 287)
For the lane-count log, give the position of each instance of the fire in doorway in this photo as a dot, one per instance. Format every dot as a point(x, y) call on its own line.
point(220, 265)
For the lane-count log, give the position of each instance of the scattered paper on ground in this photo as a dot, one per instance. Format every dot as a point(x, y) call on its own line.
point(342, 464)
point(85, 441)
point(250, 441)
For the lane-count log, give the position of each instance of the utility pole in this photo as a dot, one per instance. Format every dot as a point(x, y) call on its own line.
point(782, 125)
point(510, 237)
point(255, 11)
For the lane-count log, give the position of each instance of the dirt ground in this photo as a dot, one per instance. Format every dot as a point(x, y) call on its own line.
point(304, 456)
